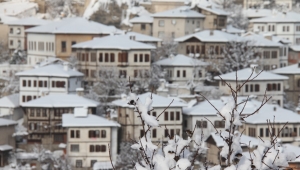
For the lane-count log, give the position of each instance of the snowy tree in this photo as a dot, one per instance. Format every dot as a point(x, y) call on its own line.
point(11, 85)
point(127, 157)
point(147, 80)
point(237, 18)
point(237, 55)
point(168, 47)
point(18, 57)
point(4, 53)
point(60, 8)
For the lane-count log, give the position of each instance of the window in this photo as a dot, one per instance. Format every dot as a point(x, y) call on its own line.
point(63, 46)
point(103, 134)
point(266, 54)
point(166, 116)
point(154, 133)
point(141, 133)
point(161, 34)
point(40, 83)
point(267, 132)
point(177, 115)
point(78, 163)
point(143, 26)
point(187, 49)
point(274, 54)
point(135, 58)
point(23, 99)
point(92, 148)
point(251, 88)
point(28, 98)
point(38, 113)
point(112, 57)
point(221, 22)
point(74, 148)
point(273, 28)
point(106, 57)
point(201, 124)
point(166, 133)
point(288, 28)
point(278, 87)
point(77, 134)
point(178, 73)
point(269, 28)
point(154, 114)
point(141, 57)
point(11, 42)
point(72, 134)
point(217, 50)
point(11, 30)
point(102, 148)
point(171, 115)
point(94, 133)
point(252, 132)
point(261, 132)
point(219, 124)
point(147, 58)
point(45, 84)
point(135, 73)
point(161, 23)
point(24, 83)
point(73, 43)
point(122, 73)
point(183, 73)
point(298, 28)
point(283, 28)
point(256, 86)
point(58, 138)
point(203, 49)
point(93, 57)
point(172, 132)
point(44, 110)
point(100, 57)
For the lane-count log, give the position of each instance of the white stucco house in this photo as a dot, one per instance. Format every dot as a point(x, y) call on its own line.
point(89, 138)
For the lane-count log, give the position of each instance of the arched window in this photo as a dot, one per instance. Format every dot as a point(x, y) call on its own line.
point(103, 148)
point(92, 148)
point(103, 134)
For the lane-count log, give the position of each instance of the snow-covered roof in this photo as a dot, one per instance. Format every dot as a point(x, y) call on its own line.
point(69, 120)
point(142, 19)
point(291, 69)
point(181, 12)
point(279, 18)
point(61, 100)
point(5, 18)
point(212, 7)
point(210, 36)
point(245, 73)
point(142, 37)
point(6, 147)
point(261, 41)
point(257, 13)
point(269, 111)
point(280, 39)
point(180, 60)
point(121, 42)
point(14, 8)
point(7, 122)
point(53, 70)
point(102, 165)
point(232, 30)
point(158, 101)
point(29, 21)
point(74, 26)
point(295, 48)
point(244, 139)
point(204, 108)
point(11, 101)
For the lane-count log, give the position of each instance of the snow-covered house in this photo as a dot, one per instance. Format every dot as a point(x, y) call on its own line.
point(282, 24)
point(176, 23)
point(17, 37)
point(5, 28)
point(10, 107)
point(232, 30)
point(206, 45)
point(215, 15)
point(43, 117)
point(46, 79)
point(89, 138)
point(183, 71)
point(142, 24)
point(130, 57)
point(56, 38)
point(256, 125)
point(215, 143)
point(7, 141)
point(170, 118)
point(272, 83)
point(273, 54)
point(292, 85)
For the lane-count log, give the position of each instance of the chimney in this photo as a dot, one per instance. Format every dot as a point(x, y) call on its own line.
point(274, 108)
point(79, 91)
point(211, 32)
point(66, 66)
